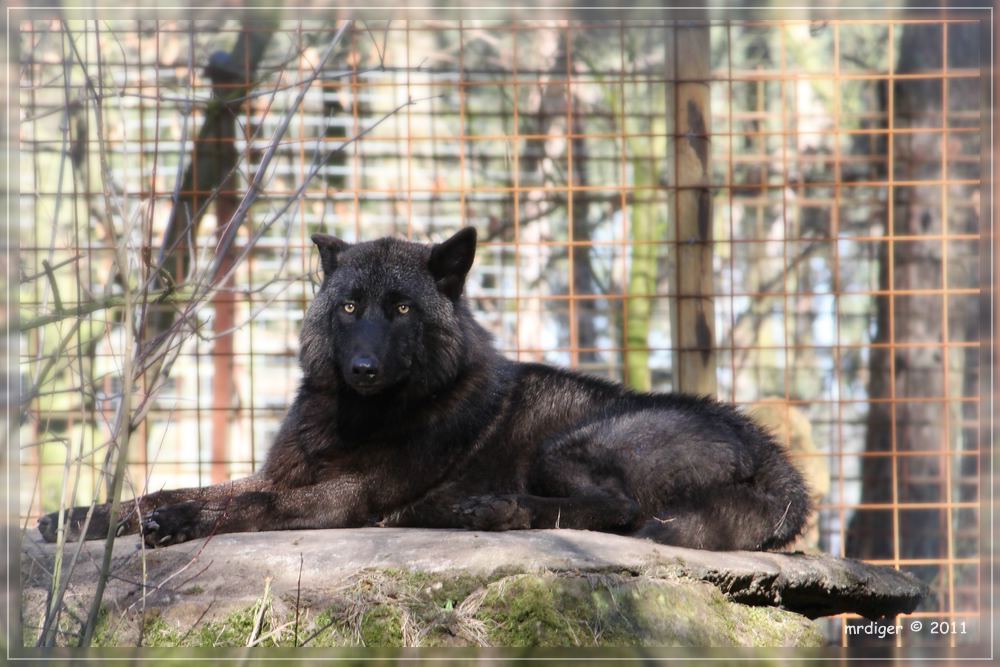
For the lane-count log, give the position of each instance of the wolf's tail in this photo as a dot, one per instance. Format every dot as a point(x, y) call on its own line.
point(789, 505)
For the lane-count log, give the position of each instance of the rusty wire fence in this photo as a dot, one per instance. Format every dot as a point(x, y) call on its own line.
point(829, 278)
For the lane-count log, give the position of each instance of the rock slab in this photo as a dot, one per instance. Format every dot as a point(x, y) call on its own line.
point(229, 571)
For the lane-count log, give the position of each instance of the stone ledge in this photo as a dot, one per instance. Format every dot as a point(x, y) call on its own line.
point(812, 585)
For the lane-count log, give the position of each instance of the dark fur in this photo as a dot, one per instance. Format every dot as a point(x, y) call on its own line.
point(413, 419)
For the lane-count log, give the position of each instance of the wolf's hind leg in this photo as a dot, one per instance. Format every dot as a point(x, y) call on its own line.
point(445, 510)
point(598, 511)
point(611, 512)
point(710, 483)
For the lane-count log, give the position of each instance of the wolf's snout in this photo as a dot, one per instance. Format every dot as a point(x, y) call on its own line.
point(364, 367)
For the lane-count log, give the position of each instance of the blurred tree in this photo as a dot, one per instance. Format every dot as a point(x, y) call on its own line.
point(583, 270)
point(652, 168)
point(899, 377)
point(693, 312)
point(213, 154)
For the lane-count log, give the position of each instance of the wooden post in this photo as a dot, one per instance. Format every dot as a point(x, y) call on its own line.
point(693, 309)
point(223, 366)
point(226, 206)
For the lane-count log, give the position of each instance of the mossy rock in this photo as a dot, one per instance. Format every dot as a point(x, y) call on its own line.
point(307, 568)
point(616, 610)
point(391, 608)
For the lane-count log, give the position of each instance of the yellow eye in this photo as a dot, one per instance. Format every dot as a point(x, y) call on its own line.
point(403, 309)
point(349, 307)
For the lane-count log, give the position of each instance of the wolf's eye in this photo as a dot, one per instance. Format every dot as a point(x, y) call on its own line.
point(349, 307)
point(402, 308)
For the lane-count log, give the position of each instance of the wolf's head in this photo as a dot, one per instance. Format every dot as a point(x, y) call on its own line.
point(389, 315)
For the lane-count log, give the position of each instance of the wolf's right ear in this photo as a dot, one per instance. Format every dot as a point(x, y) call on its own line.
point(329, 247)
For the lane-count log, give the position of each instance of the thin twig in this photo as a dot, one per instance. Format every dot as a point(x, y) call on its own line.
point(265, 602)
point(254, 188)
point(49, 269)
point(50, 361)
point(180, 642)
point(151, 360)
point(124, 425)
point(273, 633)
point(113, 301)
point(298, 593)
point(263, 228)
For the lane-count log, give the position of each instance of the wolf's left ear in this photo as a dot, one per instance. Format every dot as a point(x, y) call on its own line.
point(451, 260)
point(329, 247)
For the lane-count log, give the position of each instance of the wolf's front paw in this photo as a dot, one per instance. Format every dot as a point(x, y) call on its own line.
point(493, 513)
point(173, 524)
point(48, 526)
point(73, 521)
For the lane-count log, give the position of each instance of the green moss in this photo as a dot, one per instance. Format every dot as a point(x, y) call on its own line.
point(440, 590)
point(158, 632)
point(70, 622)
point(608, 623)
point(382, 626)
point(767, 626)
point(232, 630)
point(560, 610)
point(676, 615)
point(529, 610)
point(372, 611)
point(611, 610)
point(329, 629)
point(104, 634)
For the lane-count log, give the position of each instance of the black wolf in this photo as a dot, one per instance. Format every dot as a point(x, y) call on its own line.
point(407, 416)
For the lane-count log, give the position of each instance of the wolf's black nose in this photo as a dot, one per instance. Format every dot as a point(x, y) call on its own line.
point(365, 367)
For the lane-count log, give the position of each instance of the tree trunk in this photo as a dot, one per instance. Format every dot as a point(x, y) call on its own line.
point(898, 422)
point(583, 270)
point(694, 312)
point(652, 168)
point(213, 157)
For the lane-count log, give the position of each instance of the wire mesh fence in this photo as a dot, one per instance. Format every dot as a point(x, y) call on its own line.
point(835, 254)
